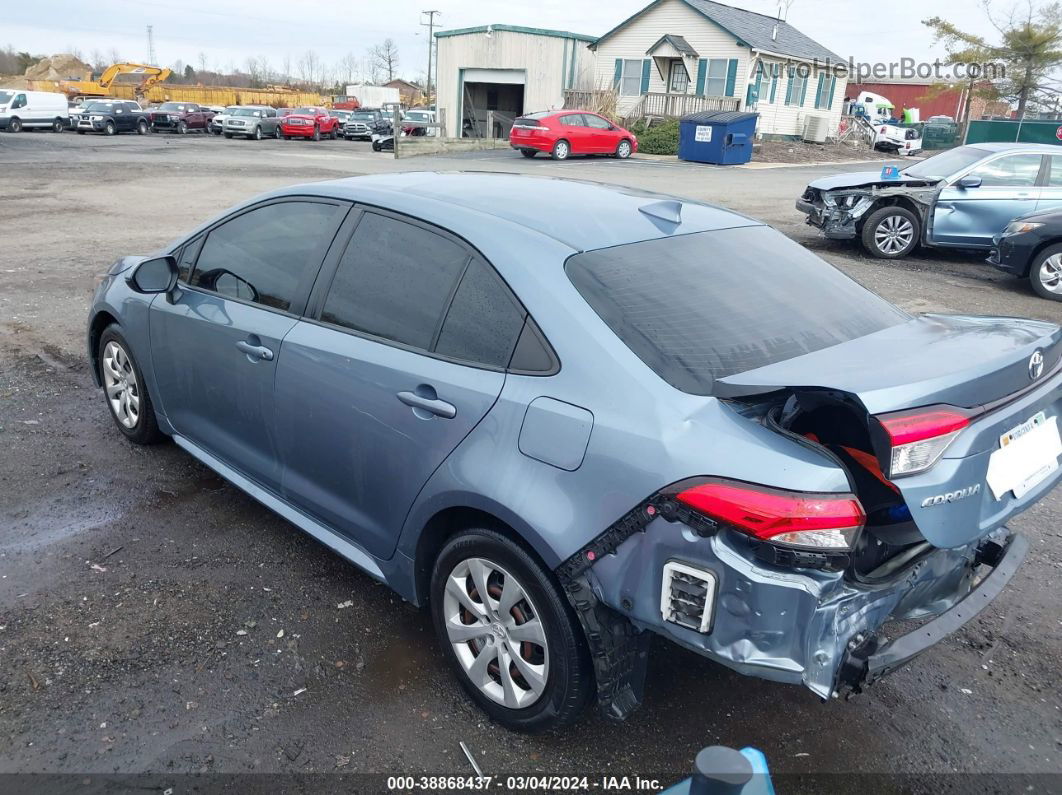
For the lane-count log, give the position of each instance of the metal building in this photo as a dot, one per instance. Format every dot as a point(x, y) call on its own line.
point(508, 70)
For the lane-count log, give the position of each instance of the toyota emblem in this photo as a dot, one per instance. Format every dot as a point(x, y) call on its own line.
point(1036, 365)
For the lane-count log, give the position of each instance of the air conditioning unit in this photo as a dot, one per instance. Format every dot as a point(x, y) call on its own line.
point(816, 128)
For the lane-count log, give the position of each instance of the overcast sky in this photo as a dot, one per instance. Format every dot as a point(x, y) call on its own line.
point(227, 32)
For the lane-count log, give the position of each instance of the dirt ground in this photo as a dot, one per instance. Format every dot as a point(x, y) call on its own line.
point(805, 152)
point(155, 620)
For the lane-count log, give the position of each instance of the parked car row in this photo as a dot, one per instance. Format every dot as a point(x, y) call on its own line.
point(999, 199)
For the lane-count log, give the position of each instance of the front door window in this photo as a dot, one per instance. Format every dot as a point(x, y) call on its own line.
point(679, 80)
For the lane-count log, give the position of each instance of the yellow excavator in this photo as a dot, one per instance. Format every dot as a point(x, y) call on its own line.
point(105, 86)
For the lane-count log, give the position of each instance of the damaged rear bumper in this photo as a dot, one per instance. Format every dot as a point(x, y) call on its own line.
point(793, 625)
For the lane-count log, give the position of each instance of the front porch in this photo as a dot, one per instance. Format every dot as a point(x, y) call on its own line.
point(651, 104)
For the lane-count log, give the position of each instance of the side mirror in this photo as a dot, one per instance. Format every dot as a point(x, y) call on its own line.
point(969, 182)
point(157, 275)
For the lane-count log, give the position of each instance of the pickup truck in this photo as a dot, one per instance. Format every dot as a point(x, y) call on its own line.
point(110, 117)
point(365, 122)
point(180, 117)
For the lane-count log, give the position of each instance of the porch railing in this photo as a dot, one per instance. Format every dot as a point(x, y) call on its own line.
point(678, 105)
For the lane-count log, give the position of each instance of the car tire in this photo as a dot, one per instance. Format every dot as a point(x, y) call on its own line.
point(561, 150)
point(517, 699)
point(317, 133)
point(376, 146)
point(257, 135)
point(276, 133)
point(58, 126)
point(529, 153)
point(891, 232)
point(124, 389)
point(80, 132)
point(110, 129)
point(623, 149)
point(1045, 273)
point(182, 128)
point(229, 136)
point(14, 125)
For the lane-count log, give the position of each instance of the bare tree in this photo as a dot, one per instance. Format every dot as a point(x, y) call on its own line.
point(266, 69)
point(97, 62)
point(308, 66)
point(385, 59)
point(348, 69)
point(115, 56)
point(287, 67)
point(254, 72)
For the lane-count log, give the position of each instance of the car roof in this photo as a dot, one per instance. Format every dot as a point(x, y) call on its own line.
point(580, 214)
point(999, 146)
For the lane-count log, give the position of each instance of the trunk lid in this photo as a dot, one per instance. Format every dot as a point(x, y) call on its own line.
point(1006, 369)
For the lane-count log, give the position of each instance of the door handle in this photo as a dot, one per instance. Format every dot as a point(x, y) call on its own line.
point(440, 408)
point(260, 352)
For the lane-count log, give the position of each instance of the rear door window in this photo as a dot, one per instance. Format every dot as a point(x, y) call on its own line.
point(703, 306)
point(484, 320)
point(1012, 171)
point(394, 281)
point(265, 255)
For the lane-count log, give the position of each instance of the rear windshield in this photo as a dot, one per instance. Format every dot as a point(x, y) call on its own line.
point(704, 306)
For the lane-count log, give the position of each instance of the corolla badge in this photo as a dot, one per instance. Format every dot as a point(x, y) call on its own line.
point(952, 496)
point(1036, 365)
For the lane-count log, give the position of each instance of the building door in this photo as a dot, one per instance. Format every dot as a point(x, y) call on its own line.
point(678, 81)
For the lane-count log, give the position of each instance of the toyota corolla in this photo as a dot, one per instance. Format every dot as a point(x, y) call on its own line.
point(567, 422)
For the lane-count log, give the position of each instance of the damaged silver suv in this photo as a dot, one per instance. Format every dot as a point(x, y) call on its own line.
point(565, 416)
point(960, 198)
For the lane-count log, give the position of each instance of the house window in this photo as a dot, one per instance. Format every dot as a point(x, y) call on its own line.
point(630, 84)
point(824, 95)
point(680, 80)
point(715, 82)
point(798, 81)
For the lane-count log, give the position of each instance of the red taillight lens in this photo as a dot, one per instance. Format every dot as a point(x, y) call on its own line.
point(818, 521)
point(919, 437)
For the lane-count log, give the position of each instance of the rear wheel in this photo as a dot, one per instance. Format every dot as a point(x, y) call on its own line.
point(561, 150)
point(141, 127)
point(58, 126)
point(509, 633)
point(123, 385)
point(528, 152)
point(891, 232)
point(1045, 273)
point(276, 133)
point(623, 150)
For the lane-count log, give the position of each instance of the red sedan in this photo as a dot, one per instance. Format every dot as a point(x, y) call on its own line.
point(570, 132)
point(313, 123)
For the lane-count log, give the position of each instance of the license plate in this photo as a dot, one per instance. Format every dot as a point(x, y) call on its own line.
point(1027, 454)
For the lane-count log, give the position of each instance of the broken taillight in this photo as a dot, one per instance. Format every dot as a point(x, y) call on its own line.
point(919, 437)
point(827, 522)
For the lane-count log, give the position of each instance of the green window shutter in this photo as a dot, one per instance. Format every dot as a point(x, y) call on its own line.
point(818, 91)
point(774, 85)
point(645, 75)
point(619, 73)
point(702, 71)
point(731, 76)
point(803, 92)
point(752, 93)
point(833, 88)
point(789, 89)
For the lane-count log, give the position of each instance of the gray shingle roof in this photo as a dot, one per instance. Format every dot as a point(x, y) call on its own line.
point(756, 29)
point(678, 42)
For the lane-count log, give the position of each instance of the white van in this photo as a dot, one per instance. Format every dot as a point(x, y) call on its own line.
point(23, 109)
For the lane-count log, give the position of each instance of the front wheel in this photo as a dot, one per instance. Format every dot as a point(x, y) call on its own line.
point(257, 133)
point(1045, 273)
point(317, 133)
point(508, 632)
point(891, 232)
point(110, 129)
point(123, 385)
point(15, 125)
point(623, 150)
point(182, 127)
point(529, 153)
point(561, 150)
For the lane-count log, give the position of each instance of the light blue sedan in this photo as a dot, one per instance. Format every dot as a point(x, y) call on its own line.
point(960, 198)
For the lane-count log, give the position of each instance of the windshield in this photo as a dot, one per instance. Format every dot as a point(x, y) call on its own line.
point(172, 106)
point(5, 97)
point(102, 106)
point(306, 111)
point(246, 112)
point(362, 116)
point(231, 109)
point(703, 306)
point(946, 163)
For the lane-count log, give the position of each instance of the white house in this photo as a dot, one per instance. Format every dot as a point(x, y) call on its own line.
point(740, 59)
point(506, 69)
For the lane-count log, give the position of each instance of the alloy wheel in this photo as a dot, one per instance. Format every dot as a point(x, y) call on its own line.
point(119, 381)
point(894, 234)
point(1050, 274)
point(496, 633)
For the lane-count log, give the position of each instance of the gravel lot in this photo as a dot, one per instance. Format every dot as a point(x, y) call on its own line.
point(155, 619)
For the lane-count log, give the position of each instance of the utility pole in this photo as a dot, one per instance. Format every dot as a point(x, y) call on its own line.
point(151, 46)
point(430, 25)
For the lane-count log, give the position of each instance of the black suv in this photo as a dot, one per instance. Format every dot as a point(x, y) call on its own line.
point(364, 122)
point(112, 116)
